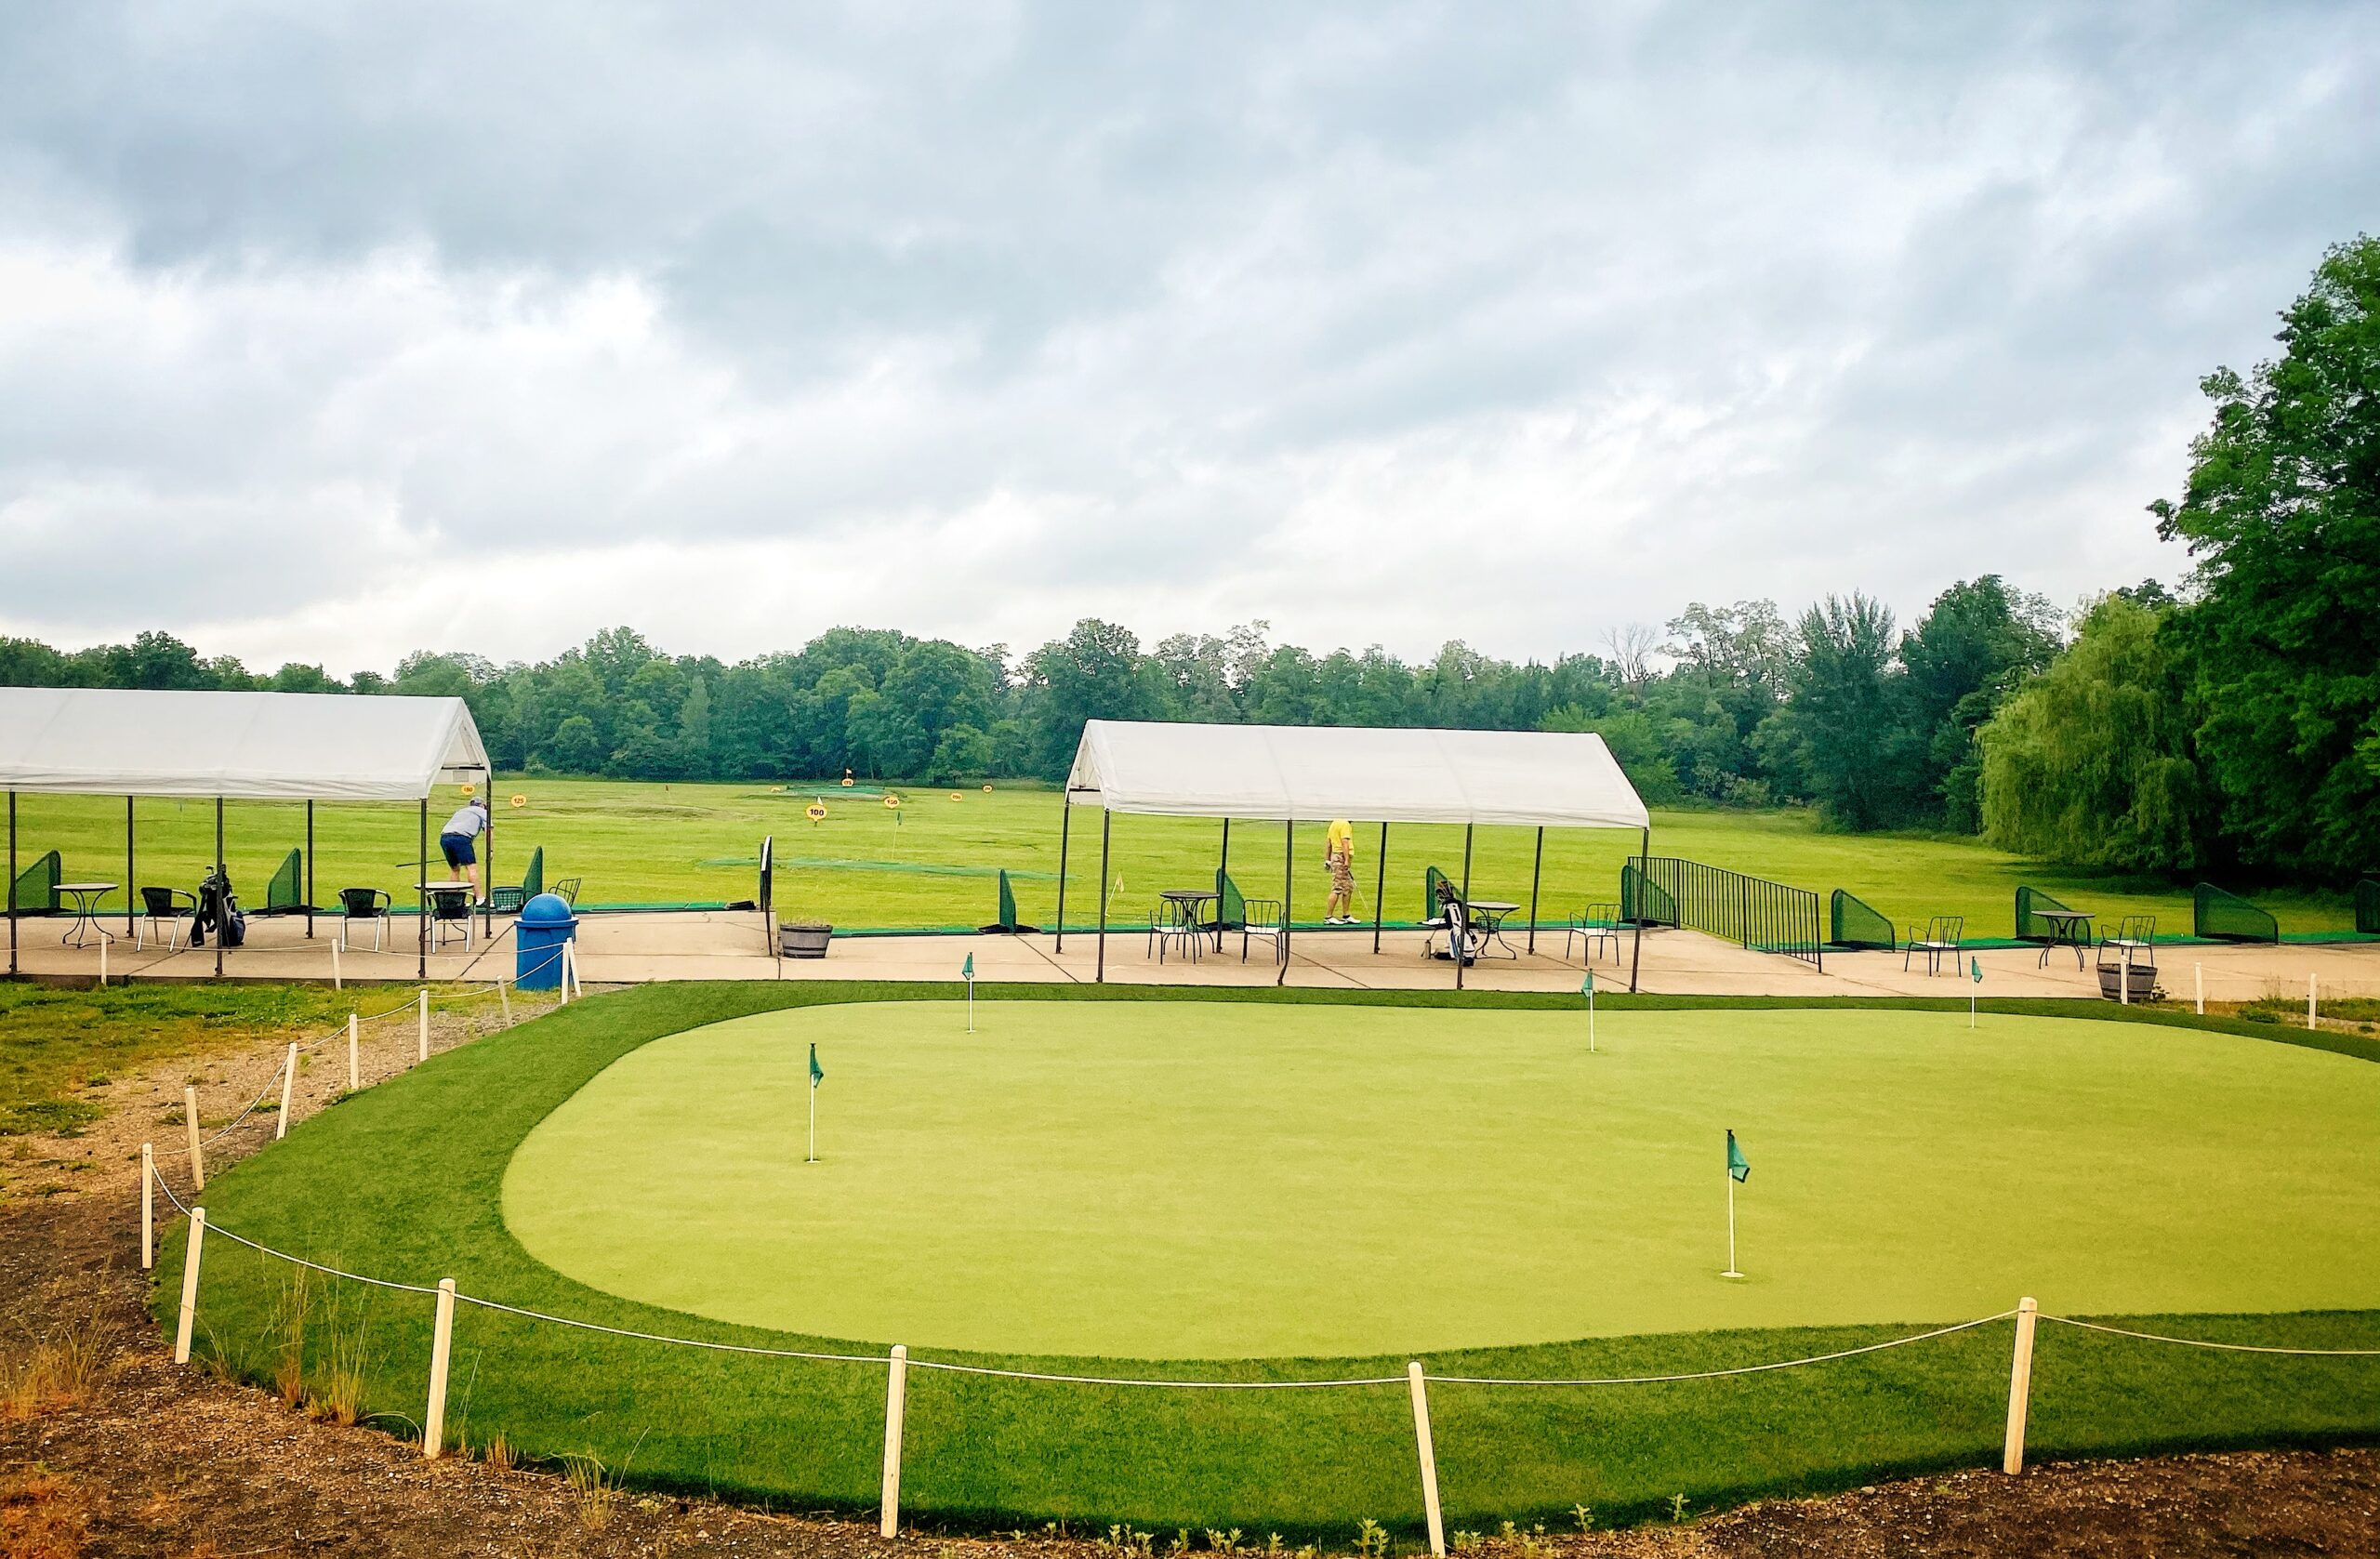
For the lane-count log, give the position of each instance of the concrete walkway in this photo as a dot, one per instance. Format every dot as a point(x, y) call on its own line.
point(633, 947)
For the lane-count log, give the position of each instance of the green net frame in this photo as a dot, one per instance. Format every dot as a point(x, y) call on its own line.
point(285, 894)
point(1644, 901)
point(1853, 923)
point(2367, 906)
point(2223, 917)
point(2031, 927)
point(1231, 905)
point(37, 885)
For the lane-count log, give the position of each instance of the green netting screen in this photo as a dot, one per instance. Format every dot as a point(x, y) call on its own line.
point(37, 886)
point(2031, 927)
point(1852, 923)
point(1008, 905)
point(1644, 901)
point(287, 891)
point(2228, 917)
point(1231, 905)
point(1431, 878)
point(2367, 906)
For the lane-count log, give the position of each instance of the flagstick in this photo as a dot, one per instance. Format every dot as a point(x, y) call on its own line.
point(1731, 1270)
point(970, 1006)
point(813, 1125)
point(1590, 1020)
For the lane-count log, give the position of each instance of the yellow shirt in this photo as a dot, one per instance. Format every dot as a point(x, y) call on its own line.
point(1340, 839)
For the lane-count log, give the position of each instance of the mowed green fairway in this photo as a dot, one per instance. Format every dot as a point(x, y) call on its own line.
point(935, 863)
point(1185, 1180)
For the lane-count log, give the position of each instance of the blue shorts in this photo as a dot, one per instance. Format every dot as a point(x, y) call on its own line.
point(459, 849)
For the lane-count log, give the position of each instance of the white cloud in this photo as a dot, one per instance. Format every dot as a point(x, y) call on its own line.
point(327, 337)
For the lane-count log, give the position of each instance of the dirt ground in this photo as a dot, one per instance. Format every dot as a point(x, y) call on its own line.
point(121, 1453)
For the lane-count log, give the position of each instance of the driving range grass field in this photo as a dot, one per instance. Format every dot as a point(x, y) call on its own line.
point(1320, 1187)
point(934, 862)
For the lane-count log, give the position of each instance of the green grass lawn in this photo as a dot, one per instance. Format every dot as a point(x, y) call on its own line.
point(935, 863)
point(2224, 1138)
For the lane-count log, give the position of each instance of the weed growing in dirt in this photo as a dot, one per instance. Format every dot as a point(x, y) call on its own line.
point(60, 1366)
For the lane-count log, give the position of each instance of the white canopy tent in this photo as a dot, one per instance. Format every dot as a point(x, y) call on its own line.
point(287, 746)
point(1315, 773)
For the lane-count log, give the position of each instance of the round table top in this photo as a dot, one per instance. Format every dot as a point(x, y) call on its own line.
point(1189, 894)
point(86, 887)
point(2060, 914)
point(443, 886)
point(1494, 904)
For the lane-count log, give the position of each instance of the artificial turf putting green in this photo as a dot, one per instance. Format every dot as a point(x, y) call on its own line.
point(1190, 1179)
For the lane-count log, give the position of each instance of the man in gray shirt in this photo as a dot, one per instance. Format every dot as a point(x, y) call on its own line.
point(457, 840)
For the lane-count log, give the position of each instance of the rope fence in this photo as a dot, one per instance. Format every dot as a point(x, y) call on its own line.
point(898, 1362)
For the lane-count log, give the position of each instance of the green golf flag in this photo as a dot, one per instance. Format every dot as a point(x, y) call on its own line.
point(1587, 986)
point(818, 1073)
point(1738, 1165)
point(1975, 967)
point(967, 970)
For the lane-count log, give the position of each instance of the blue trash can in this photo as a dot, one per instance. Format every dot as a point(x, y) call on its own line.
point(546, 923)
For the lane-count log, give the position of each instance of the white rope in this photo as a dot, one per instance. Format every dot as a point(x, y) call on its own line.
point(1720, 1374)
point(2218, 1347)
point(183, 1208)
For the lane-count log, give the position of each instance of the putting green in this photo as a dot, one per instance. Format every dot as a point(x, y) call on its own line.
point(1192, 1179)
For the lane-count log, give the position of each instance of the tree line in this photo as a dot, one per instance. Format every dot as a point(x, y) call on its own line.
point(2235, 723)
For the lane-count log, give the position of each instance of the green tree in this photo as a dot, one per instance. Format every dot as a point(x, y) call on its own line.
point(1095, 673)
point(963, 753)
point(1638, 745)
point(2282, 512)
point(2091, 763)
point(1974, 646)
point(576, 748)
point(1844, 727)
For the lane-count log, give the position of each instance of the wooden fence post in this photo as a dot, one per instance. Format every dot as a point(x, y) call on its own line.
point(442, 1353)
point(148, 1206)
point(563, 960)
point(506, 998)
point(338, 983)
point(2198, 978)
point(190, 1284)
point(289, 1083)
point(197, 1152)
point(104, 939)
point(1429, 1458)
point(896, 1397)
point(2020, 1387)
point(2312, 982)
point(354, 1076)
point(423, 1009)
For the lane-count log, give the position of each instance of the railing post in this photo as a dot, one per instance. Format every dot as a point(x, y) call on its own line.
point(896, 1397)
point(190, 1284)
point(506, 998)
point(197, 1151)
point(422, 1010)
point(2020, 1387)
point(2313, 983)
point(441, 1354)
point(2198, 978)
point(1421, 1392)
point(288, 1085)
point(148, 1206)
point(354, 1076)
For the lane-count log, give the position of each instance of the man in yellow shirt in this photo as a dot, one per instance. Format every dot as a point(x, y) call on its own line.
point(1339, 855)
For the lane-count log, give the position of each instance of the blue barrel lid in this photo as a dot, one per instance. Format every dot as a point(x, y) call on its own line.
point(548, 909)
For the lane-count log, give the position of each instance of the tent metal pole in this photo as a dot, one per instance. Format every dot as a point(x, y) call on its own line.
point(309, 869)
point(1535, 875)
point(1289, 874)
point(1636, 944)
point(421, 894)
point(12, 884)
point(1065, 823)
point(1224, 865)
point(487, 862)
point(223, 876)
point(130, 892)
point(1458, 934)
point(1106, 819)
point(1380, 885)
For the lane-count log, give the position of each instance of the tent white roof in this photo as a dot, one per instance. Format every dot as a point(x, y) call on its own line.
point(270, 745)
point(1532, 778)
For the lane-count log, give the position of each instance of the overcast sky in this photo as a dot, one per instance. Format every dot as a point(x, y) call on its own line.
point(330, 332)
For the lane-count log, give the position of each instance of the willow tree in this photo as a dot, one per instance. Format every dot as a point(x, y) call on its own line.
point(2091, 763)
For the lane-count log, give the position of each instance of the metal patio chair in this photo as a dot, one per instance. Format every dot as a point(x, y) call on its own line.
point(171, 908)
point(363, 904)
point(1944, 935)
point(1598, 923)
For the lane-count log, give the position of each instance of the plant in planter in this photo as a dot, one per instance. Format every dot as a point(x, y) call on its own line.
point(804, 939)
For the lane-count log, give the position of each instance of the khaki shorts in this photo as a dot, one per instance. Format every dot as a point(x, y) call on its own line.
point(1342, 875)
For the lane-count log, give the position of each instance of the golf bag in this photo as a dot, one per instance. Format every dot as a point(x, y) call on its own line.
point(218, 911)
